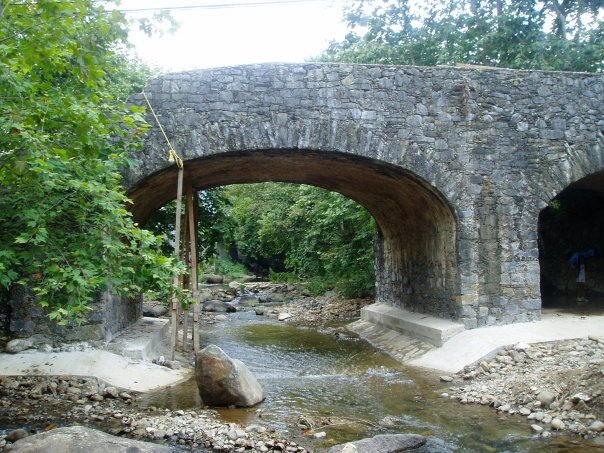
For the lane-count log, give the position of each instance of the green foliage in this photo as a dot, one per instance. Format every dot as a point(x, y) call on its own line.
point(283, 277)
point(226, 266)
point(214, 225)
point(563, 35)
point(305, 230)
point(317, 286)
point(64, 135)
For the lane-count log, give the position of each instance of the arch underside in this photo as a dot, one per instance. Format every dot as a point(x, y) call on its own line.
point(415, 251)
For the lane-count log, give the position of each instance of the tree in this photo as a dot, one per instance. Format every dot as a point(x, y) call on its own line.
point(65, 133)
point(529, 34)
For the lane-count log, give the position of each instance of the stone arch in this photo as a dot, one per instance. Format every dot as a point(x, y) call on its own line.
point(416, 250)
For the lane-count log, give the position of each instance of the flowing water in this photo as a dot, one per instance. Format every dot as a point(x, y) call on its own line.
point(342, 380)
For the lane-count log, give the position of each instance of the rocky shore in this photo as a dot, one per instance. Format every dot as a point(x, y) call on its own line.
point(287, 302)
point(557, 386)
point(39, 404)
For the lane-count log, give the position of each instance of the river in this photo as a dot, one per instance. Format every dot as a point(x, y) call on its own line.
point(359, 392)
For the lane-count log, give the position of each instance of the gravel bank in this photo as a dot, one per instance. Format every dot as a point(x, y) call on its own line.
point(557, 386)
point(35, 403)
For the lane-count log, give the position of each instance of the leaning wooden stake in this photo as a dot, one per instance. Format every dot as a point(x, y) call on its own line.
point(185, 258)
point(193, 241)
point(174, 337)
point(197, 305)
point(173, 157)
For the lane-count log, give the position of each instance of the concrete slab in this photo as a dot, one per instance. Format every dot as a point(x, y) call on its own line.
point(473, 345)
point(146, 339)
point(126, 363)
point(111, 368)
point(430, 329)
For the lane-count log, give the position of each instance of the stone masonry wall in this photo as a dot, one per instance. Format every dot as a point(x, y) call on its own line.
point(483, 149)
point(109, 314)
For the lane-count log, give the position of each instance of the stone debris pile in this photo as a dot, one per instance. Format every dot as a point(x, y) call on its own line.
point(202, 430)
point(557, 386)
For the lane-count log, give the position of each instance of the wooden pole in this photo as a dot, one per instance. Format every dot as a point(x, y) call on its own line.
point(192, 199)
point(174, 309)
point(185, 256)
point(196, 306)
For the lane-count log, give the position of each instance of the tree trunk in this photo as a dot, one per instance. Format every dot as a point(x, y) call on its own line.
point(560, 18)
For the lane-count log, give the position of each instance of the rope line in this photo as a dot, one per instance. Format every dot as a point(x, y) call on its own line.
point(172, 155)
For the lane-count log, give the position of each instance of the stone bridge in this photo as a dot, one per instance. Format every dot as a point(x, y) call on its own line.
point(455, 164)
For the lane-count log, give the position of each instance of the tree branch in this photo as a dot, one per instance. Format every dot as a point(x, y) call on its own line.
point(3, 5)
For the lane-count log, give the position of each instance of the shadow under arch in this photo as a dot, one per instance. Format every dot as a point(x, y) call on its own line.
point(416, 249)
point(573, 222)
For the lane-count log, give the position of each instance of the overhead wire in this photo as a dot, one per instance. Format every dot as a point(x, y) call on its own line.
point(239, 4)
point(252, 4)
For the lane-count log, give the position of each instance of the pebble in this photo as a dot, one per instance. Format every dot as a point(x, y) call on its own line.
point(446, 378)
point(596, 426)
point(16, 434)
point(546, 397)
point(284, 316)
point(558, 424)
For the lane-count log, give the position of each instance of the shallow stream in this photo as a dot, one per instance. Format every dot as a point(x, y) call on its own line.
point(337, 379)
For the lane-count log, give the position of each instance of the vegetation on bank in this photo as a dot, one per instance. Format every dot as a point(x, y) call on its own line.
point(287, 232)
point(65, 133)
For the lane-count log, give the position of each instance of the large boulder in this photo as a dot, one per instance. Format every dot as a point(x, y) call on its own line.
point(223, 381)
point(77, 439)
point(383, 443)
point(217, 306)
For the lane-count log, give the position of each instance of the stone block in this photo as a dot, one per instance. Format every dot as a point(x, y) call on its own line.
point(511, 309)
point(532, 304)
point(470, 323)
point(468, 311)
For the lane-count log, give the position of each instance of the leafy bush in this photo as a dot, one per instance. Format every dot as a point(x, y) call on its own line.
point(229, 268)
point(283, 277)
point(317, 233)
point(357, 285)
point(65, 134)
point(317, 286)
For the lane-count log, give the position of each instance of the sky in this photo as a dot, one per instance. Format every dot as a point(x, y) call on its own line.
point(214, 33)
